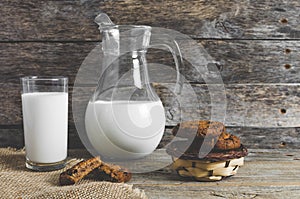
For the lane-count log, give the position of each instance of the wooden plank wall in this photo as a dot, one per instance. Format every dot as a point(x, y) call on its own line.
point(256, 45)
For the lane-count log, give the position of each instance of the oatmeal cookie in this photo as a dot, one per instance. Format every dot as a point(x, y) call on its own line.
point(112, 173)
point(79, 171)
point(99, 169)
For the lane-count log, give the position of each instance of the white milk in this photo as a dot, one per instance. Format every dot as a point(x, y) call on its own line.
point(125, 130)
point(45, 118)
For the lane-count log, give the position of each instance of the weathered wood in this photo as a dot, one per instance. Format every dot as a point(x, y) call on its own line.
point(239, 61)
point(255, 138)
point(267, 173)
point(256, 105)
point(11, 106)
point(73, 20)
point(253, 61)
point(256, 47)
point(44, 59)
point(14, 137)
point(268, 138)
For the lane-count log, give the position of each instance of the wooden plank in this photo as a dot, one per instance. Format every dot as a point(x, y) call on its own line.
point(239, 61)
point(255, 138)
point(73, 20)
point(244, 62)
point(255, 105)
point(267, 191)
point(267, 173)
point(11, 106)
point(255, 155)
point(44, 59)
point(13, 136)
point(270, 138)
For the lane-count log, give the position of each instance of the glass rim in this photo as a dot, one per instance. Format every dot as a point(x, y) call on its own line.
point(44, 78)
point(125, 27)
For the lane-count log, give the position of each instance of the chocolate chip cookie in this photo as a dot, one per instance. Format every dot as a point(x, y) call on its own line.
point(208, 153)
point(208, 134)
point(228, 142)
point(198, 129)
point(177, 150)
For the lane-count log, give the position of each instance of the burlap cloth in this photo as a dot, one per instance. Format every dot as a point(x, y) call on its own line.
point(18, 182)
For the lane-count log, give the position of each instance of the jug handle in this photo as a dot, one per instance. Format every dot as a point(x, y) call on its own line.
point(171, 44)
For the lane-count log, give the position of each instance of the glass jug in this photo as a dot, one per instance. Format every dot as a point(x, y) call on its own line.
point(125, 118)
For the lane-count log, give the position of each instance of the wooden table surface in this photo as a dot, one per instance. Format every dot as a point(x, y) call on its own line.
point(267, 173)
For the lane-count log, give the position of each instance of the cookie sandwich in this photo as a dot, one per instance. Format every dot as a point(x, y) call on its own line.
point(206, 152)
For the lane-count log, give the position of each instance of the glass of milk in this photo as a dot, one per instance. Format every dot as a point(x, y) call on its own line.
point(45, 121)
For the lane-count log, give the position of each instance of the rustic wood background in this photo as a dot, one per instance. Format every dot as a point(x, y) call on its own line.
point(256, 45)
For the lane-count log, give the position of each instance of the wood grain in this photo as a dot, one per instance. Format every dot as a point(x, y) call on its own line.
point(267, 173)
point(56, 36)
point(255, 45)
point(11, 106)
point(73, 20)
point(255, 105)
point(13, 136)
point(255, 138)
point(270, 105)
point(43, 59)
point(238, 61)
point(253, 61)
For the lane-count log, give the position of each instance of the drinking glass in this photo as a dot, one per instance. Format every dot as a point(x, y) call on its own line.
point(45, 121)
